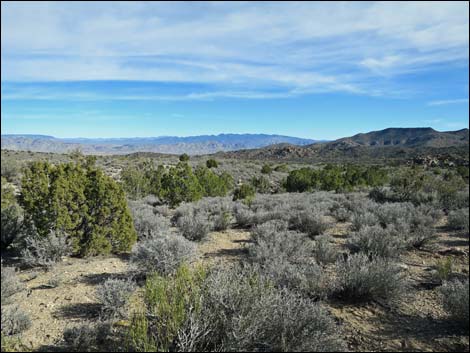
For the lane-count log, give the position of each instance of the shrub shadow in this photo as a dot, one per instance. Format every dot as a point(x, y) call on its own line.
point(84, 311)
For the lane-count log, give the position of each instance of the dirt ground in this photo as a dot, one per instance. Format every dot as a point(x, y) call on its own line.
point(64, 296)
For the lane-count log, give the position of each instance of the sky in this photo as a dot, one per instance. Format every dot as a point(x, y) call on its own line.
point(320, 70)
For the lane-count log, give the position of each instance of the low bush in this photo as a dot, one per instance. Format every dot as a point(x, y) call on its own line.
point(341, 214)
point(324, 250)
point(444, 269)
point(244, 192)
point(243, 214)
point(169, 304)
point(362, 218)
point(309, 222)
point(10, 284)
point(194, 227)
point(459, 220)
point(266, 169)
point(264, 231)
point(147, 222)
point(455, 301)
point(162, 254)
point(14, 320)
point(377, 241)
point(89, 337)
point(45, 251)
point(247, 314)
point(113, 296)
point(361, 278)
point(211, 163)
point(12, 222)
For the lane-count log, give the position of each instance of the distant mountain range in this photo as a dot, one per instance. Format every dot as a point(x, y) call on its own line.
point(376, 146)
point(384, 145)
point(194, 145)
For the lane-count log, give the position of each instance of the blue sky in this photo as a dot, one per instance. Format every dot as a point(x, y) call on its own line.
point(320, 70)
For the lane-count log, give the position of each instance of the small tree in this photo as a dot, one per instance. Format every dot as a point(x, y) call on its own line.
point(266, 169)
point(184, 157)
point(79, 200)
point(211, 163)
point(244, 192)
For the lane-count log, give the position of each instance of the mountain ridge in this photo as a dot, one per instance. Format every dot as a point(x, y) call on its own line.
point(201, 144)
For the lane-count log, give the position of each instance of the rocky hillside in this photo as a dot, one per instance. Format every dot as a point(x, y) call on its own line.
point(377, 146)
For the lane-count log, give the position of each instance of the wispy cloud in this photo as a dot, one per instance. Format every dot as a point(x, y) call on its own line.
point(243, 49)
point(448, 101)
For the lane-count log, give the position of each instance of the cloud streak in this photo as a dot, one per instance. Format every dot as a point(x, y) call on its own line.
point(242, 49)
point(448, 101)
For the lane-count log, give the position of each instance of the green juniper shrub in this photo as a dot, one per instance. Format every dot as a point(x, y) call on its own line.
point(266, 169)
point(184, 157)
point(211, 163)
point(244, 192)
point(81, 202)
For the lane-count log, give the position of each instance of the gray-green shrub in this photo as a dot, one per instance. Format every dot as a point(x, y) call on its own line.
point(113, 296)
point(455, 301)
point(162, 254)
point(362, 278)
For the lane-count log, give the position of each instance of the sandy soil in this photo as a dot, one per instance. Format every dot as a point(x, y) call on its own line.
point(70, 303)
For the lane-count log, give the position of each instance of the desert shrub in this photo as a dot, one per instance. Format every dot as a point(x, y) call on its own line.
point(184, 157)
point(390, 213)
point(283, 168)
point(243, 214)
point(309, 222)
point(10, 169)
point(244, 192)
point(263, 232)
point(180, 184)
point(136, 180)
point(247, 314)
point(362, 218)
point(10, 284)
point(300, 180)
point(213, 184)
point(459, 219)
point(89, 337)
point(324, 250)
point(113, 296)
point(334, 177)
point(455, 301)
point(211, 163)
point(14, 320)
point(44, 251)
point(286, 258)
point(444, 269)
point(261, 184)
point(361, 278)
point(169, 302)
point(420, 236)
point(162, 254)
point(12, 216)
point(79, 199)
point(222, 220)
point(266, 169)
point(147, 222)
point(12, 222)
point(341, 214)
point(377, 241)
point(380, 194)
point(194, 227)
